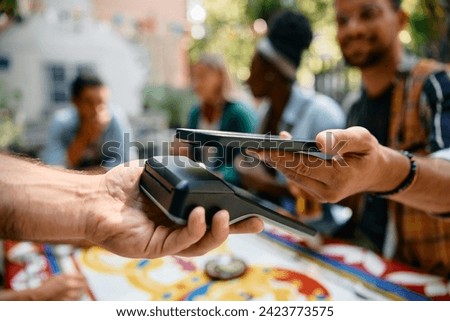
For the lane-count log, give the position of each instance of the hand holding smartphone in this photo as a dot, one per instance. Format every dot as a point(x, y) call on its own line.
point(200, 137)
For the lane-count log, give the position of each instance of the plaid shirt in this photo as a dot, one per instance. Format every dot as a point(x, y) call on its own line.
point(420, 122)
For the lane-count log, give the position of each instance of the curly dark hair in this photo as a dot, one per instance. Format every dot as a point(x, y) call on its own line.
point(396, 4)
point(290, 33)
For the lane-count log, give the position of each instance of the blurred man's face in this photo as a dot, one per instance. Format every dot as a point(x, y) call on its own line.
point(367, 30)
point(92, 101)
point(258, 77)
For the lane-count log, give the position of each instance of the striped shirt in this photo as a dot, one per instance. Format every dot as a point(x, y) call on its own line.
point(418, 120)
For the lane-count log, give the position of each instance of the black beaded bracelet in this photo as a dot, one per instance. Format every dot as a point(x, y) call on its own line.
point(406, 182)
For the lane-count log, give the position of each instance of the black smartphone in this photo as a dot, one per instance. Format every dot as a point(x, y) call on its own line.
point(202, 137)
point(177, 185)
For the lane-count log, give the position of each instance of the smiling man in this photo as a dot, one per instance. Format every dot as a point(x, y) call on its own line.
point(405, 104)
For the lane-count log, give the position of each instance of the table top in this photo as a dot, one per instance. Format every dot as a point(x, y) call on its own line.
point(279, 267)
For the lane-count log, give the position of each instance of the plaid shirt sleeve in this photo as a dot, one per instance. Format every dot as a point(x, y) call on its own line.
point(437, 94)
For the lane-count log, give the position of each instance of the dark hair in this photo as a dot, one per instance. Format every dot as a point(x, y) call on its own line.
point(396, 4)
point(84, 80)
point(290, 33)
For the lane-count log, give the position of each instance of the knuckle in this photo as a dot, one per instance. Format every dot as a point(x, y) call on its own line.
point(292, 176)
point(304, 170)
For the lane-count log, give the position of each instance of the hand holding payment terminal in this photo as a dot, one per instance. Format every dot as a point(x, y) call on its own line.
point(177, 185)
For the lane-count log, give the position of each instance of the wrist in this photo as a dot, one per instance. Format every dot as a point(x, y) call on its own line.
point(23, 295)
point(61, 206)
point(92, 196)
point(399, 173)
point(33, 295)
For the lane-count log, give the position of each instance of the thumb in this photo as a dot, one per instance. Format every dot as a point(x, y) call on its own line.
point(342, 141)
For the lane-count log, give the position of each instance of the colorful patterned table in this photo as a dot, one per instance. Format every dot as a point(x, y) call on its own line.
point(279, 267)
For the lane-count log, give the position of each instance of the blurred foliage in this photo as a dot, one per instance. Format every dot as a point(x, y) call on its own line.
point(174, 102)
point(430, 29)
point(9, 7)
point(229, 31)
point(9, 102)
point(265, 8)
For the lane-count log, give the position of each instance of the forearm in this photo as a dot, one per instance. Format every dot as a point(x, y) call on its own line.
point(431, 187)
point(11, 295)
point(36, 294)
point(41, 203)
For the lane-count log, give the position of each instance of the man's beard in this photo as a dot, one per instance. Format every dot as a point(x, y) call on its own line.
point(371, 59)
point(368, 59)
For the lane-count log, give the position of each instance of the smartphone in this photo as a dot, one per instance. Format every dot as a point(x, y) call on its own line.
point(201, 137)
point(177, 185)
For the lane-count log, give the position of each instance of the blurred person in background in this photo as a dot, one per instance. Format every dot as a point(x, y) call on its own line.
point(65, 287)
point(218, 109)
point(75, 140)
point(77, 134)
point(404, 104)
point(288, 107)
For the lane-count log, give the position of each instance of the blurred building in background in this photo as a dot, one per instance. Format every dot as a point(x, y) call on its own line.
point(129, 43)
point(159, 26)
point(142, 49)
